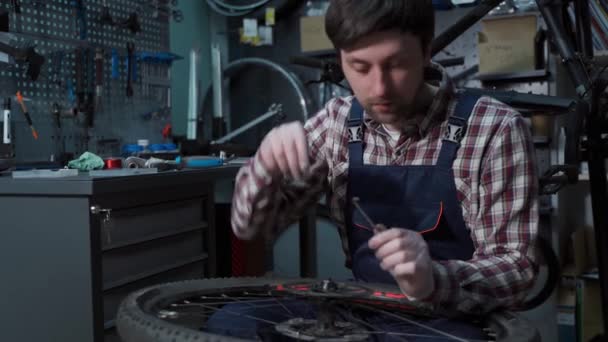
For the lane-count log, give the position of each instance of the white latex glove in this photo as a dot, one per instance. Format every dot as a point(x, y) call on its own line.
point(405, 255)
point(284, 151)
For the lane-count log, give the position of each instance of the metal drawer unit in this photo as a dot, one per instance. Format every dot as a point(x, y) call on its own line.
point(154, 236)
point(72, 249)
point(157, 234)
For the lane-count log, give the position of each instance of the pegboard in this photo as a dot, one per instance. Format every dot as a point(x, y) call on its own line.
point(54, 28)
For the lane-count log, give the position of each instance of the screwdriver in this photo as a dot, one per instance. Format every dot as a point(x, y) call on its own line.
point(28, 118)
point(377, 227)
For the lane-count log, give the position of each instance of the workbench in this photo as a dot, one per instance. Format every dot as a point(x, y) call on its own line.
point(72, 248)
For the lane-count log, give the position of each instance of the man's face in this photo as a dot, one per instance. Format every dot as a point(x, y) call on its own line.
point(385, 71)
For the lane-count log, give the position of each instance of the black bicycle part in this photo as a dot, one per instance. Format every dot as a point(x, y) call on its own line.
point(599, 195)
point(550, 260)
point(466, 22)
point(330, 71)
point(551, 11)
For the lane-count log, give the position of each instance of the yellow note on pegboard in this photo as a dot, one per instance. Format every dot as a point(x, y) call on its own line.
point(270, 16)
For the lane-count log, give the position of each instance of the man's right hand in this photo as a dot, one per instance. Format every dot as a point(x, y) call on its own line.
point(284, 151)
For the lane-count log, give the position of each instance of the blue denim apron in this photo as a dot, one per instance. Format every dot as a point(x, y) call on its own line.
point(421, 198)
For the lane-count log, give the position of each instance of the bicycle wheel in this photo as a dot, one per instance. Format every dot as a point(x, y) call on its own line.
point(302, 309)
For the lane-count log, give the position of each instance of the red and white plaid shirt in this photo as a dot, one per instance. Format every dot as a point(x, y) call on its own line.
point(495, 177)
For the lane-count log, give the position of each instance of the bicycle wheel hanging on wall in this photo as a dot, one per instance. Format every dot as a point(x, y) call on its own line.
point(253, 86)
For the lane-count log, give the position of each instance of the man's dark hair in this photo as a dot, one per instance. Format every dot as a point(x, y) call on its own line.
point(347, 21)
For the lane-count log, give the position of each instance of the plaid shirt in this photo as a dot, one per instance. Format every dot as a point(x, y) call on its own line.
point(495, 178)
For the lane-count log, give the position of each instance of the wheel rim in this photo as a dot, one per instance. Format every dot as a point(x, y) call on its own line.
point(342, 313)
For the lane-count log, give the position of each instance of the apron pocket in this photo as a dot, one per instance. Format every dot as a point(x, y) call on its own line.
point(421, 217)
point(427, 218)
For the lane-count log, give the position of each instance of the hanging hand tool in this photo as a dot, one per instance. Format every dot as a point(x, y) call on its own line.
point(56, 112)
point(178, 16)
point(57, 65)
point(80, 19)
point(90, 71)
point(156, 9)
point(115, 65)
point(4, 22)
point(16, 14)
point(79, 66)
point(71, 94)
point(106, 18)
point(85, 84)
point(162, 8)
point(130, 67)
point(98, 78)
point(16, 5)
point(132, 23)
point(28, 55)
point(28, 118)
point(6, 136)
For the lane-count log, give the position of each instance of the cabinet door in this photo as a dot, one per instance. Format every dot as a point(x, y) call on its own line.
point(149, 237)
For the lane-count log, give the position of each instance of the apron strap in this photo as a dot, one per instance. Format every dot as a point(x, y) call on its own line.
point(457, 128)
point(355, 134)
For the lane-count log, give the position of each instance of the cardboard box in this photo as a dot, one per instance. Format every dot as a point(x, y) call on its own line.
point(312, 34)
point(506, 44)
point(589, 316)
point(566, 310)
point(581, 256)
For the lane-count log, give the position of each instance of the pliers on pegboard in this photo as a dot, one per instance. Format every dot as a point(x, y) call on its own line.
point(166, 9)
point(57, 67)
point(80, 18)
point(16, 6)
point(130, 68)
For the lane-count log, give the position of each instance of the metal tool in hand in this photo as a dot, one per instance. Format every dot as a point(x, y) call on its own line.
point(376, 227)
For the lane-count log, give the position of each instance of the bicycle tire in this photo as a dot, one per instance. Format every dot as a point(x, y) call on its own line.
point(135, 324)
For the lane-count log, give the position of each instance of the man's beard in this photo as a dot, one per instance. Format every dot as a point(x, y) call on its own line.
point(399, 111)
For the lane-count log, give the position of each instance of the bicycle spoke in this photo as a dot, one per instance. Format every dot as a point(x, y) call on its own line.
point(421, 325)
point(238, 297)
point(374, 329)
point(225, 302)
point(291, 315)
point(435, 337)
point(237, 314)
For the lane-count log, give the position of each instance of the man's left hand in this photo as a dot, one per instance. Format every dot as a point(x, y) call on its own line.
point(405, 255)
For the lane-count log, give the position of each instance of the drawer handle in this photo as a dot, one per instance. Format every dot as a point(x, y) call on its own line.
point(95, 210)
point(106, 220)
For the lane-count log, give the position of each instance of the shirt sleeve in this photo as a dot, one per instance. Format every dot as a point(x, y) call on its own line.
point(503, 268)
point(262, 203)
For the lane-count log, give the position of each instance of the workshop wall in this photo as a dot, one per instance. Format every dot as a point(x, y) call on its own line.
point(57, 29)
point(253, 90)
point(191, 33)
